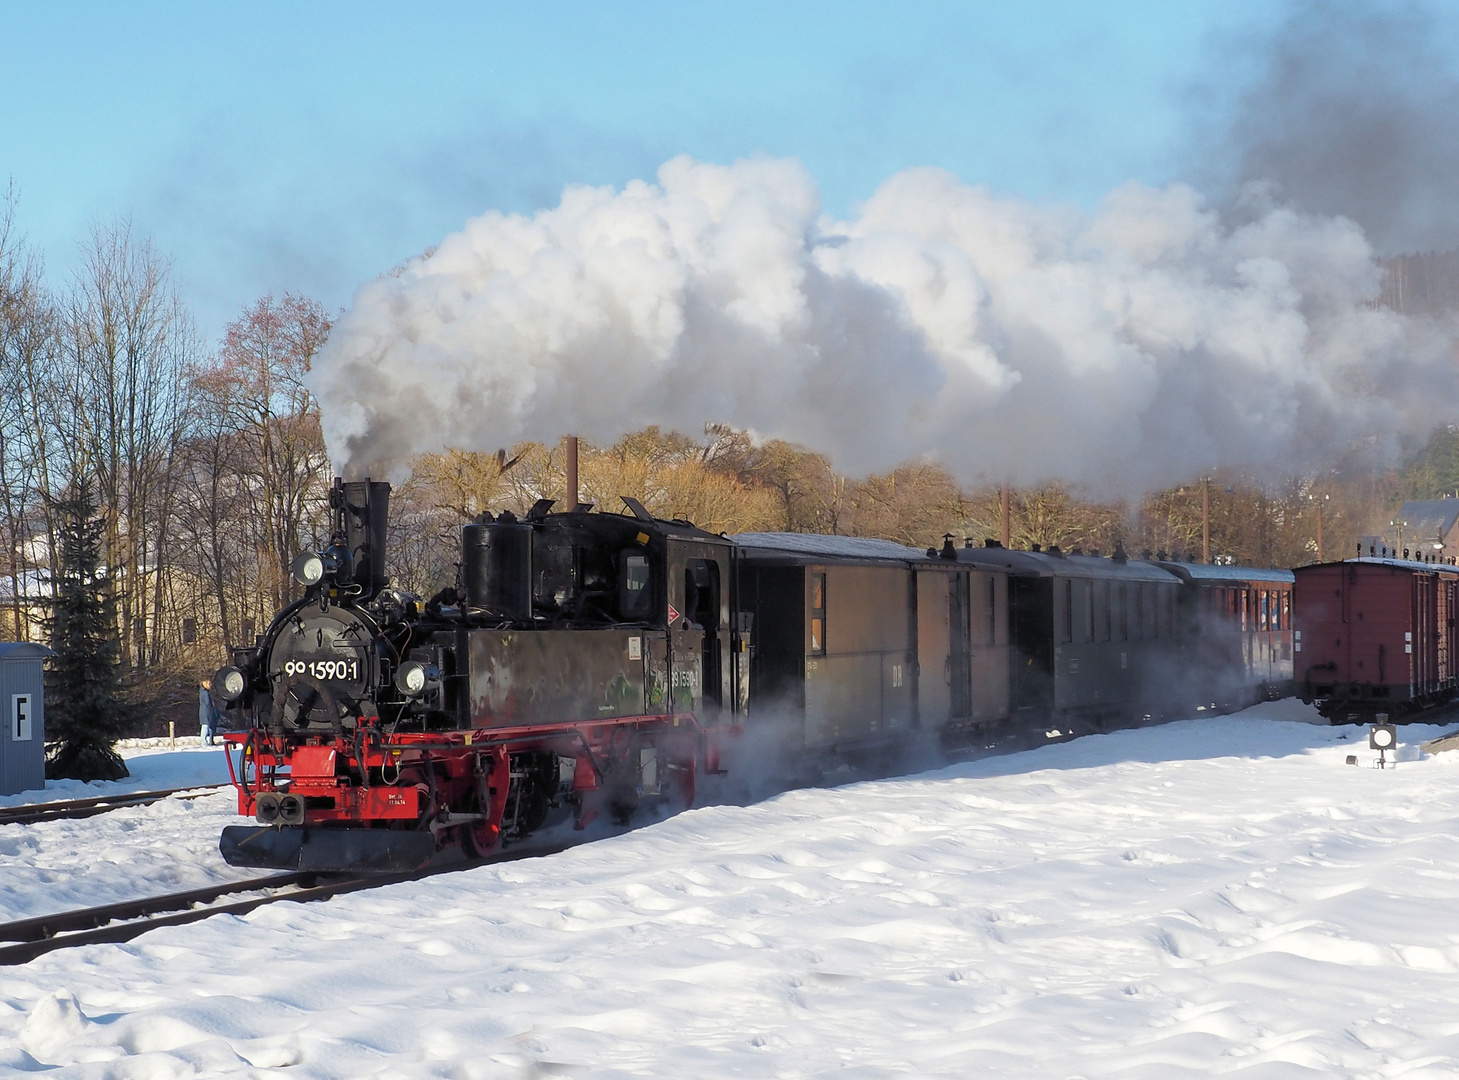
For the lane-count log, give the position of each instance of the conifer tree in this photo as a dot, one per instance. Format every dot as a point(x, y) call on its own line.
point(85, 713)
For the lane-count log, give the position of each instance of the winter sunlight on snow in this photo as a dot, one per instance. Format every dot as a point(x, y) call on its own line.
point(1219, 896)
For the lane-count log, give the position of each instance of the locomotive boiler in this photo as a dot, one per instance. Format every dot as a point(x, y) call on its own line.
point(583, 664)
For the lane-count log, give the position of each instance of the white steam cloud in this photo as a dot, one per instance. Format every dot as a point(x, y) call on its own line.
point(1130, 348)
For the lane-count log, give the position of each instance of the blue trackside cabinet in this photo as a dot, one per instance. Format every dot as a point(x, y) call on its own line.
point(22, 700)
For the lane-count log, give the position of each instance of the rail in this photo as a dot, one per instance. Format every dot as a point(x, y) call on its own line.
point(112, 924)
point(101, 804)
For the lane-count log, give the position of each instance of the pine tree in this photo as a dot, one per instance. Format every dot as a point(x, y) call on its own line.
point(85, 713)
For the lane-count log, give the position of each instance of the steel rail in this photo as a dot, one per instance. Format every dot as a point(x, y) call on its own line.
point(117, 923)
point(101, 804)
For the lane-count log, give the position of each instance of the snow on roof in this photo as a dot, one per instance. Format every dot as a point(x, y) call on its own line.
point(1204, 572)
point(34, 585)
point(1043, 564)
point(1404, 564)
point(829, 547)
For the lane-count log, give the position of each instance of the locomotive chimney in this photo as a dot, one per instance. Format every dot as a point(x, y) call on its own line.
point(362, 512)
point(572, 473)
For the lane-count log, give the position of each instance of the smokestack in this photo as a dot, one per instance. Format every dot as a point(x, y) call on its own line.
point(572, 473)
point(362, 510)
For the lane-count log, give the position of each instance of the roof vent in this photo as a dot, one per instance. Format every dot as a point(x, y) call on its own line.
point(991, 543)
point(948, 551)
point(1034, 547)
point(1119, 556)
point(1055, 552)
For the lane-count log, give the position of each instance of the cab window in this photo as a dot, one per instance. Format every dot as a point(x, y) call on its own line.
point(635, 598)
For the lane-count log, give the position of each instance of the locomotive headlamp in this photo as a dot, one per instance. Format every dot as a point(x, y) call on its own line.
point(230, 683)
point(308, 568)
point(410, 678)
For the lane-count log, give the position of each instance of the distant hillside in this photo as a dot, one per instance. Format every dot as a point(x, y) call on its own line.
point(1426, 284)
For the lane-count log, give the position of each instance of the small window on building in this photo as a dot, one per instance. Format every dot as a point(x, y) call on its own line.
point(189, 631)
point(1286, 609)
point(818, 615)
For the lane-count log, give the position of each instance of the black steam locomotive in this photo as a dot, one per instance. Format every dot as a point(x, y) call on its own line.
point(587, 662)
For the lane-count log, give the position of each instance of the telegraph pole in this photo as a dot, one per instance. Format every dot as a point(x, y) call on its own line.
point(1206, 520)
point(1003, 500)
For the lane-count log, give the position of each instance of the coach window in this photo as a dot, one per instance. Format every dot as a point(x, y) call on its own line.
point(1139, 611)
point(992, 610)
point(1066, 617)
point(818, 614)
point(1088, 591)
point(1123, 620)
point(1104, 603)
point(1286, 609)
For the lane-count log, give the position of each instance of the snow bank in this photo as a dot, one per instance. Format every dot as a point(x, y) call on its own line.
point(1222, 896)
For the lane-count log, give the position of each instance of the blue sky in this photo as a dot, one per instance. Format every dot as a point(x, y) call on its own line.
point(307, 147)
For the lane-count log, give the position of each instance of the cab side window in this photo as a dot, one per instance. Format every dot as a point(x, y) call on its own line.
point(635, 598)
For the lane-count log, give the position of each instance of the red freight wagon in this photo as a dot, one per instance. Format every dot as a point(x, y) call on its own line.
point(1375, 636)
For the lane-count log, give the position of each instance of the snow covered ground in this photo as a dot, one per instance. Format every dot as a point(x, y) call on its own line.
point(1220, 896)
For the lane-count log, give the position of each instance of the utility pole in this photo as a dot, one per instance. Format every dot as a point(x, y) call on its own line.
point(572, 473)
point(1206, 520)
point(1003, 500)
point(1319, 528)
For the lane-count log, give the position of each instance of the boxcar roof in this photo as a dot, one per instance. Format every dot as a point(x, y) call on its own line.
point(1042, 564)
point(856, 548)
point(1400, 564)
point(1235, 575)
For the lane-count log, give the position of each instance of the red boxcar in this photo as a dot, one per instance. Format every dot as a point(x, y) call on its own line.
point(1375, 636)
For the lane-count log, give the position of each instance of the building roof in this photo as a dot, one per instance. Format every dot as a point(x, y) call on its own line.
point(1429, 519)
point(24, 650)
point(34, 585)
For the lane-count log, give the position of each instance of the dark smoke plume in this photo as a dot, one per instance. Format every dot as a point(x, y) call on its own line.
point(1354, 112)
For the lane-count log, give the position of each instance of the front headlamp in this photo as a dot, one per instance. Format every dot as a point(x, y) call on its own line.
point(308, 568)
point(230, 683)
point(410, 678)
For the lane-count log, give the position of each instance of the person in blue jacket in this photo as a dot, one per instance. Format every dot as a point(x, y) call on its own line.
point(208, 716)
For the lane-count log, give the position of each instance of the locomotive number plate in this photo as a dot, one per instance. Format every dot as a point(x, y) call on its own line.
point(325, 670)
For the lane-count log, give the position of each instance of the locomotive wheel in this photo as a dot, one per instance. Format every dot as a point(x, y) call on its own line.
point(479, 839)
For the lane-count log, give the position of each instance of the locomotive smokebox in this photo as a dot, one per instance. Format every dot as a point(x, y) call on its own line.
point(496, 563)
point(362, 510)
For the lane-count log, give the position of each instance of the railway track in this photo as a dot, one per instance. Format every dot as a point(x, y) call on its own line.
point(111, 924)
point(101, 804)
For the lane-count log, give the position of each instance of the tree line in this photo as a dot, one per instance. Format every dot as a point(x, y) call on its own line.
point(207, 467)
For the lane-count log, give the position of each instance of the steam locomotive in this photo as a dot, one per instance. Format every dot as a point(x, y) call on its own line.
point(588, 663)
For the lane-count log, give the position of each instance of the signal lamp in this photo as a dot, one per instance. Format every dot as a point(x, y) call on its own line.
point(230, 683)
point(1382, 737)
point(308, 568)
